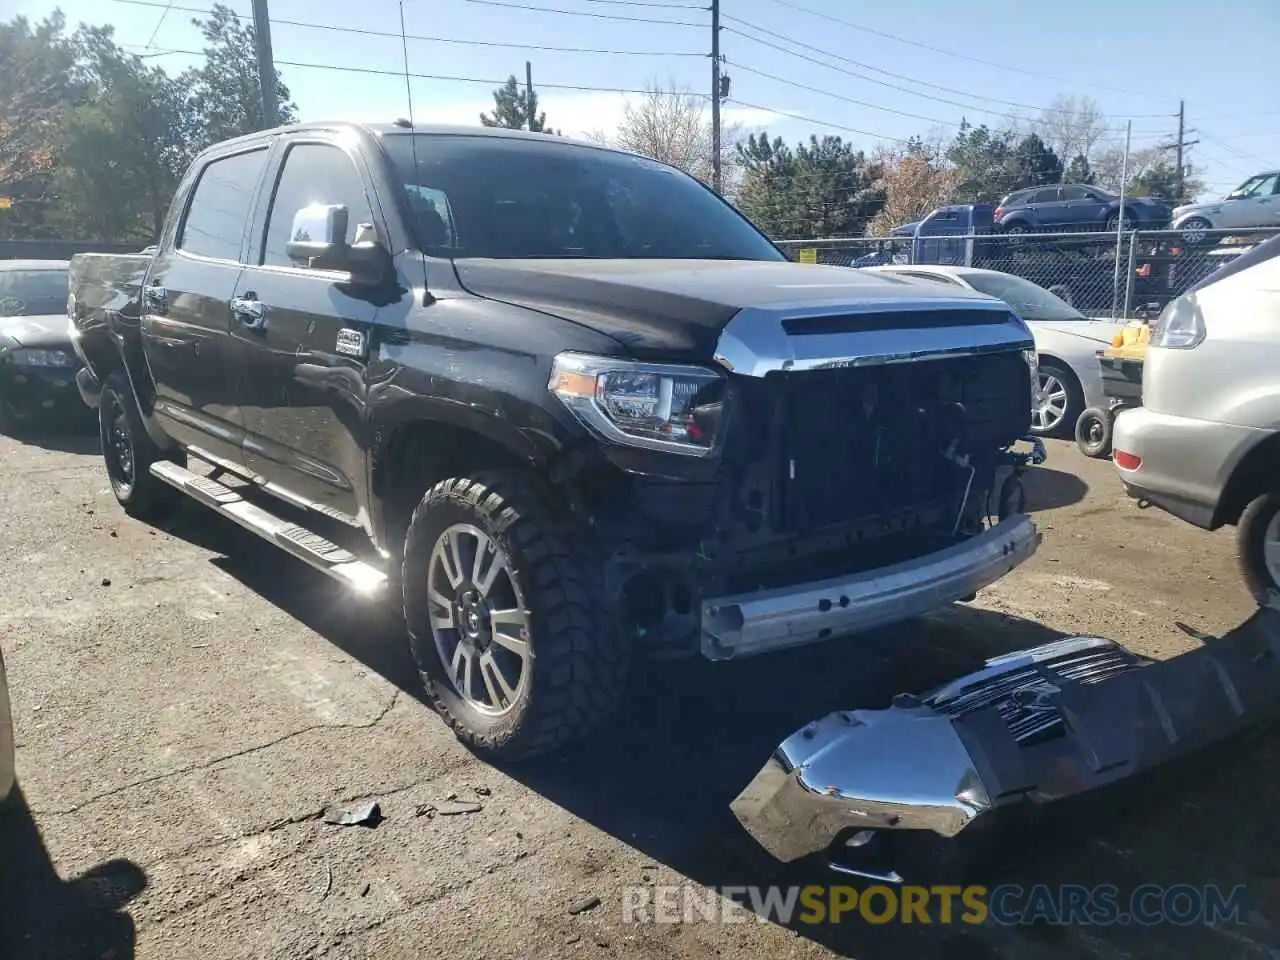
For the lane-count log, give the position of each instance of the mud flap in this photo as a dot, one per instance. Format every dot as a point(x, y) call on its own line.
point(1029, 729)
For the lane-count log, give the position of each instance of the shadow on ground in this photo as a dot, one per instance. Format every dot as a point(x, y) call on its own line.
point(660, 778)
point(68, 436)
point(1049, 489)
point(42, 915)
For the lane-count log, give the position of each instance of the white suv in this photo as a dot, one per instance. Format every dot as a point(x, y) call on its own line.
point(1205, 445)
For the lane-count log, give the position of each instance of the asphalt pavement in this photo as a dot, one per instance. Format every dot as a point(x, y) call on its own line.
point(192, 707)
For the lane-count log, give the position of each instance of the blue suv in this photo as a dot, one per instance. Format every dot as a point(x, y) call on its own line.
point(1077, 207)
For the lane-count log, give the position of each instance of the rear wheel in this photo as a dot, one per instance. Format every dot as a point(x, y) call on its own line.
point(1017, 228)
point(1057, 403)
point(1113, 222)
point(508, 618)
point(1196, 232)
point(1093, 432)
point(129, 452)
point(1258, 539)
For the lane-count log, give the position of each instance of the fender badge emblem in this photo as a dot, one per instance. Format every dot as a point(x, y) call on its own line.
point(350, 342)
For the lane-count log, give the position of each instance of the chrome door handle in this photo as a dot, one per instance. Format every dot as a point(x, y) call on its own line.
point(251, 313)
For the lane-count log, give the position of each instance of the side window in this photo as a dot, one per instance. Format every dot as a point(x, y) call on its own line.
point(1075, 193)
point(312, 173)
point(219, 209)
point(1049, 195)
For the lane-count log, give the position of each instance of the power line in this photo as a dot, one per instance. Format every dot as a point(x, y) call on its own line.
point(648, 3)
point(884, 83)
point(585, 13)
point(392, 35)
point(1235, 151)
point(960, 56)
point(159, 23)
point(837, 96)
point(374, 71)
point(822, 123)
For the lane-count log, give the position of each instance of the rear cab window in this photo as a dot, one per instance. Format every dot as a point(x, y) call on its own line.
point(220, 206)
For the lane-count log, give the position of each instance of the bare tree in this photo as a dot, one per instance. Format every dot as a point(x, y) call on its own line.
point(916, 182)
point(673, 124)
point(1071, 127)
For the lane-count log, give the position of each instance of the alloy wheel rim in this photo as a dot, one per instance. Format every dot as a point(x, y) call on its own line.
point(1271, 551)
point(478, 619)
point(1051, 402)
point(120, 443)
point(1195, 232)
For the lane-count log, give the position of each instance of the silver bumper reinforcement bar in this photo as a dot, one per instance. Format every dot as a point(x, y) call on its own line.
point(1032, 727)
point(751, 623)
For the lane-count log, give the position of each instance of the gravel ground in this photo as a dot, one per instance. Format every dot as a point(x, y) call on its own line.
point(188, 702)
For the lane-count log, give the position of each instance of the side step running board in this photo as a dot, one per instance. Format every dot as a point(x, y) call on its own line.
point(307, 546)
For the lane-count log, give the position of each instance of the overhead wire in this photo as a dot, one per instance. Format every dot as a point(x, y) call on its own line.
point(510, 5)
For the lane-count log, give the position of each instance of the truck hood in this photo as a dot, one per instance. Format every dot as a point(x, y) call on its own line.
point(679, 306)
point(43, 331)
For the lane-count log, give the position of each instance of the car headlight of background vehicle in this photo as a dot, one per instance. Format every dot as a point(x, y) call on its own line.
point(1180, 325)
point(654, 406)
point(42, 358)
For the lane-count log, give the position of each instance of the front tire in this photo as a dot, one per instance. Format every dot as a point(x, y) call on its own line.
point(1093, 432)
point(508, 617)
point(1058, 402)
point(1258, 540)
point(1195, 232)
point(128, 452)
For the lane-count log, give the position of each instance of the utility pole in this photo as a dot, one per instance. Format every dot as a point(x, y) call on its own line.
point(528, 93)
point(1180, 145)
point(716, 181)
point(266, 64)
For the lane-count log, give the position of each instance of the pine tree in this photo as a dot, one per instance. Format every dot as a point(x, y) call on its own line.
point(516, 109)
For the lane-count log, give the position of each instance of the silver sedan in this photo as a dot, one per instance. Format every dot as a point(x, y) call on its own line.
point(1066, 340)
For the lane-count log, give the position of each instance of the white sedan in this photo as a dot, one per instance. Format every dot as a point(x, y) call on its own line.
point(1067, 341)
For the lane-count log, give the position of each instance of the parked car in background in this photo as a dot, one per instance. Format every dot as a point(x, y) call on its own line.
point(1205, 444)
point(1255, 203)
point(37, 362)
point(1067, 342)
point(1073, 207)
point(6, 737)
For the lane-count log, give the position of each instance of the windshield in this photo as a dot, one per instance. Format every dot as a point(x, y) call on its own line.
point(1260, 186)
point(1026, 299)
point(481, 196)
point(30, 293)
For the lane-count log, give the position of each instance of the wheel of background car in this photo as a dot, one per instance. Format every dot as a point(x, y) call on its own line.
point(128, 453)
point(1093, 432)
point(1062, 292)
point(1258, 543)
point(1017, 227)
point(1196, 232)
point(508, 617)
point(1057, 402)
point(1113, 222)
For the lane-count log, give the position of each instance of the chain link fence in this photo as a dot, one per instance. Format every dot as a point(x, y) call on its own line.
point(1100, 275)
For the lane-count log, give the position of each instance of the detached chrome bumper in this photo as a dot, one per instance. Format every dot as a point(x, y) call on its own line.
point(1035, 726)
point(750, 623)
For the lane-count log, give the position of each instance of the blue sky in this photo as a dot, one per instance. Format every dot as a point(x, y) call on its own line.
point(1134, 58)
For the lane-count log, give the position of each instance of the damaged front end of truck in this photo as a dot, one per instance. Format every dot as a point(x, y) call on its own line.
point(888, 794)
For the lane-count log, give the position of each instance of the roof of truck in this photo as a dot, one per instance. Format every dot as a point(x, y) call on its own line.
point(382, 128)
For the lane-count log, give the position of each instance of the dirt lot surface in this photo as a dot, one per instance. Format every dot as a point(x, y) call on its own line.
point(188, 702)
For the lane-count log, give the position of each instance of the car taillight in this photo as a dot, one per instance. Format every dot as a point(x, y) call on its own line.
point(998, 214)
point(1125, 460)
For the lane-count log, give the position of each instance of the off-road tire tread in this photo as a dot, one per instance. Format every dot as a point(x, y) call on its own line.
point(582, 655)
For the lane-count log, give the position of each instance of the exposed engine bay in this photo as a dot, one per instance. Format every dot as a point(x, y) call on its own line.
point(825, 473)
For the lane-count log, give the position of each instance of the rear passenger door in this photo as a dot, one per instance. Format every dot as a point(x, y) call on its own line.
point(187, 313)
point(303, 335)
point(1046, 207)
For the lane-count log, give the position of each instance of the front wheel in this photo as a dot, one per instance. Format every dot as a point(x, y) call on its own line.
point(1093, 432)
point(1195, 232)
point(508, 617)
point(1057, 402)
point(1258, 540)
point(129, 452)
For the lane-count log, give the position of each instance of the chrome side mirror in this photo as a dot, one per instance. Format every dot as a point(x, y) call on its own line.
point(318, 236)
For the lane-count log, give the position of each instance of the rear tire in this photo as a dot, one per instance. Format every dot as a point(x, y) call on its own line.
point(523, 661)
point(128, 452)
point(1258, 540)
point(1195, 232)
point(1093, 432)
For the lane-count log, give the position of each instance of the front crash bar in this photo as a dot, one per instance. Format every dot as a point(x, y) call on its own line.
point(1031, 727)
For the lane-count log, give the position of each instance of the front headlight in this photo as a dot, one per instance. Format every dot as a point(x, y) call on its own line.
point(655, 406)
point(42, 358)
point(1180, 325)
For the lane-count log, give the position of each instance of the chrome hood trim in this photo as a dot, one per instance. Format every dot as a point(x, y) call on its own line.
point(756, 342)
point(1035, 726)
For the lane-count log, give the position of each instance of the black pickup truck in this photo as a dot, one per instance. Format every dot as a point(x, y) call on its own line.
point(564, 402)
